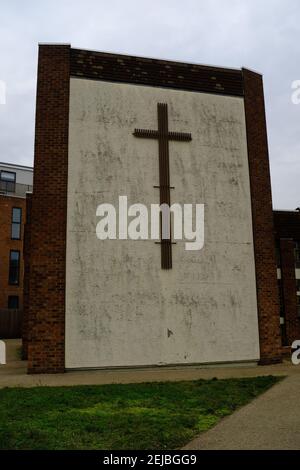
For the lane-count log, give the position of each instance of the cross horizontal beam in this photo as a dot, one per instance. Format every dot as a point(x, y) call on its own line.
point(151, 134)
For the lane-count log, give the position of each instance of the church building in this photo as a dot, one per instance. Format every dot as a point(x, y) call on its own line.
point(157, 132)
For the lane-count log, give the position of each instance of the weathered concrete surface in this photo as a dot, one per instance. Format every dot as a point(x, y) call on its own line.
point(14, 374)
point(270, 422)
point(120, 305)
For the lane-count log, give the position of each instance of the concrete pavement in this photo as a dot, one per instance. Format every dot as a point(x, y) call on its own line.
point(270, 422)
point(14, 374)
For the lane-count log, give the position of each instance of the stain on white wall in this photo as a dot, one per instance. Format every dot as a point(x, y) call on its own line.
point(121, 308)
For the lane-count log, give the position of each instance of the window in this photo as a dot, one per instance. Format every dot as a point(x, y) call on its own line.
point(298, 296)
point(297, 254)
point(282, 314)
point(8, 181)
point(16, 223)
point(13, 302)
point(278, 257)
point(14, 267)
point(281, 303)
point(298, 307)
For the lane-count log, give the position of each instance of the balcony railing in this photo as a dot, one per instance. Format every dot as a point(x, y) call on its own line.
point(9, 188)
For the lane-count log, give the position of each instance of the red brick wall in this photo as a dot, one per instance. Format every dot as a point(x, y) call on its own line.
point(262, 217)
point(26, 255)
point(46, 316)
point(292, 321)
point(7, 244)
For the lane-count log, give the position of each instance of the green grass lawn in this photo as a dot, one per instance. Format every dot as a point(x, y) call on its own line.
point(136, 416)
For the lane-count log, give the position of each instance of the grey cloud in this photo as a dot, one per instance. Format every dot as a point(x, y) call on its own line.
point(260, 35)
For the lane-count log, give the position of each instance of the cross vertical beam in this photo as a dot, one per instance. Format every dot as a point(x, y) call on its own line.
point(164, 136)
point(164, 178)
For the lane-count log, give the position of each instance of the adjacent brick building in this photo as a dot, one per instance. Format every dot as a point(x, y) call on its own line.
point(287, 238)
point(15, 182)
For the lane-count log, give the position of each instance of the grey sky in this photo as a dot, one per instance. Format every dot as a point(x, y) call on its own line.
point(262, 35)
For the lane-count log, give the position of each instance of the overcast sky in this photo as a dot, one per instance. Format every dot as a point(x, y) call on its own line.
point(263, 35)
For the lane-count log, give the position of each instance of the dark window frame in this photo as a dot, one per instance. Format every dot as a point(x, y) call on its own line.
point(16, 223)
point(9, 299)
point(297, 254)
point(11, 173)
point(10, 185)
point(11, 268)
point(278, 254)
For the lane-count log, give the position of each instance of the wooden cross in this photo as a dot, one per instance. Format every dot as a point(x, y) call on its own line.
point(164, 136)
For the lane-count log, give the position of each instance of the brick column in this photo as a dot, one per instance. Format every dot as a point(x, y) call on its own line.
point(262, 219)
point(26, 257)
point(46, 322)
point(292, 321)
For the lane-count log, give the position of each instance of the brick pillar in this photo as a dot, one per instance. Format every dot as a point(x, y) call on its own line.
point(46, 322)
point(292, 321)
point(26, 257)
point(262, 219)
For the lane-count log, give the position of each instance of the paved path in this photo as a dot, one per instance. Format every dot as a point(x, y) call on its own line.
point(270, 422)
point(14, 373)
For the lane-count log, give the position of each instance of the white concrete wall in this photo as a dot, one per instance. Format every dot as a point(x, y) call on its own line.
point(24, 177)
point(121, 308)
